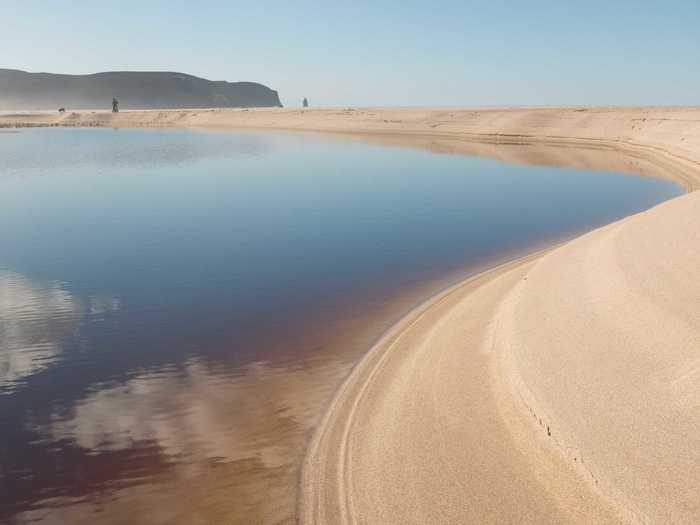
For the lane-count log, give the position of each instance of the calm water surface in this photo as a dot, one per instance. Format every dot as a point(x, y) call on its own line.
point(176, 307)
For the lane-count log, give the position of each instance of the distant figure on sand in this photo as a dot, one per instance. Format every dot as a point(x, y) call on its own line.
point(115, 105)
point(61, 110)
point(305, 103)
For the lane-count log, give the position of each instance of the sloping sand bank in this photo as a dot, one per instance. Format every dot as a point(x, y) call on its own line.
point(602, 343)
point(416, 435)
point(557, 389)
point(561, 388)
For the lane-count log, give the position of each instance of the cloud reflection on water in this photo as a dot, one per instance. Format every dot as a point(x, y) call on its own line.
point(35, 318)
point(114, 148)
point(194, 413)
point(231, 441)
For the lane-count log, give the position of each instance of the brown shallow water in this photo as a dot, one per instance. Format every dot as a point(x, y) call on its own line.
point(177, 308)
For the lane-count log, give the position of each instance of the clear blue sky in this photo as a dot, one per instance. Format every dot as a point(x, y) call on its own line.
point(377, 53)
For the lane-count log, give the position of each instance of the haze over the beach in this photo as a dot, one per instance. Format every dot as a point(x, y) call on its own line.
point(377, 54)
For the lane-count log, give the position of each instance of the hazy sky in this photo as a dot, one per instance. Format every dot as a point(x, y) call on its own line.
point(489, 52)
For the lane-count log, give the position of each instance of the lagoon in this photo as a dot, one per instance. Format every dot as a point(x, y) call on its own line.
point(178, 306)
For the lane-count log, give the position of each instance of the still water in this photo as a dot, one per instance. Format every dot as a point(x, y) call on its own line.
point(177, 307)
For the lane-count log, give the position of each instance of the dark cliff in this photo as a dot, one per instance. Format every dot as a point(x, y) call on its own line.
point(135, 90)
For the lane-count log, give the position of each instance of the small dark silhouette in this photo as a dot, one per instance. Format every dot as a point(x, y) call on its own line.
point(305, 103)
point(61, 110)
point(115, 105)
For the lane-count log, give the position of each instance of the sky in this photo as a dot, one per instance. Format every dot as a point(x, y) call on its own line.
point(376, 53)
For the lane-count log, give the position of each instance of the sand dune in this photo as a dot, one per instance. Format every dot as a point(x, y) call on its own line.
point(560, 388)
point(602, 342)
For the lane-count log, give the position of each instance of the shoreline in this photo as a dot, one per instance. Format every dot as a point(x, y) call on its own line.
point(582, 494)
point(665, 135)
point(324, 498)
point(523, 324)
point(605, 501)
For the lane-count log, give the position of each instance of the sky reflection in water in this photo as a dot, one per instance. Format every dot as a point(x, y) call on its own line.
point(176, 307)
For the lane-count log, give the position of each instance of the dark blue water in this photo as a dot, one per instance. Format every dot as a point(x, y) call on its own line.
point(166, 298)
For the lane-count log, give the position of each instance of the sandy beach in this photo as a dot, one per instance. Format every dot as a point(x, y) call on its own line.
point(559, 388)
point(668, 136)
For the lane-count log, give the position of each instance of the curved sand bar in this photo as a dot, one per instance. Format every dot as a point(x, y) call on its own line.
point(560, 388)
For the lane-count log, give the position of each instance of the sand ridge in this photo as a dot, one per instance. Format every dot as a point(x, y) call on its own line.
point(603, 339)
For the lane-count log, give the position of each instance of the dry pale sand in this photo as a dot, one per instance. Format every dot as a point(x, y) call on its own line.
point(560, 388)
point(602, 342)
